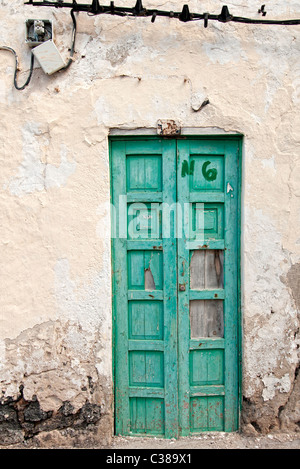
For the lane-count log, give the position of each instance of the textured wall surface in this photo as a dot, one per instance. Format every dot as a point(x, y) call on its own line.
point(55, 320)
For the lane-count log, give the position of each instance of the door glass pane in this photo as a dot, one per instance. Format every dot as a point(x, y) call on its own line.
point(206, 318)
point(206, 269)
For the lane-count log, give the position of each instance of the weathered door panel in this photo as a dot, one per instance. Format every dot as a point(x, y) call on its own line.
point(175, 281)
point(145, 289)
point(208, 307)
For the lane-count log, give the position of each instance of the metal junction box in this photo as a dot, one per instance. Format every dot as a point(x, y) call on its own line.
point(38, 31)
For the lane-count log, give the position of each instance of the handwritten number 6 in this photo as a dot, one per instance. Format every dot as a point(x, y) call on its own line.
point(209, 174)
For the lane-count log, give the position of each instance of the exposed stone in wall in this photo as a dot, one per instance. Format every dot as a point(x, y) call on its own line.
point(21, 420)
point(293, 281)
point(280, 414)
point(54, 388)
point(289, 414)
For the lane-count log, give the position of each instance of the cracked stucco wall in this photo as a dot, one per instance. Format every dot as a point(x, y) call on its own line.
point(55, 333)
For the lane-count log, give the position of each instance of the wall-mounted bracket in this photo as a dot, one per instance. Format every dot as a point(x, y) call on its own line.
point(168, 128)
point(262, 10)
point(94, 8)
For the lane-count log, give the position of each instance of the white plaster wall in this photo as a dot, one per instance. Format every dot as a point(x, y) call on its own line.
point(128, 73)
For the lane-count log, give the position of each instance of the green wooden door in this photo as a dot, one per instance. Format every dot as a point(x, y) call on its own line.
point(175, 248)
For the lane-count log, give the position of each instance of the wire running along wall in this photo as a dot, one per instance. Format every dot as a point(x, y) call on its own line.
point(95, 8)
point(138, 10)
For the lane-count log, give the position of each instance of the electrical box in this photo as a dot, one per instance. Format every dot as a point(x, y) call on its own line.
point(37, 32)
point(49, 57)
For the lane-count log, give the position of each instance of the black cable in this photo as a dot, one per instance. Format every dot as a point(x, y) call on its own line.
point(9, 49)
point(238, 19)
point(95, 8)
point(72, 41)
point(16, 67)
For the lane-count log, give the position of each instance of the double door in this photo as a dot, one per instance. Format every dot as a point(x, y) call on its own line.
point(175, 261)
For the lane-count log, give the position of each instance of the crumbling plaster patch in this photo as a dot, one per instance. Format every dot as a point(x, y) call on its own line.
point(270, 323)
point(87, 306)
point(273, 384)
point(33, 174)
point(293, 281)
point(267, 302)
point(59, 370)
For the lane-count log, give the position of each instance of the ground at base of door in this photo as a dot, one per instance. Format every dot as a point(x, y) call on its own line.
point(212, 441)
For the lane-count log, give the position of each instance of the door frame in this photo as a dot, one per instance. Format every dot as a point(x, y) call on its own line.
point(138, 136)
